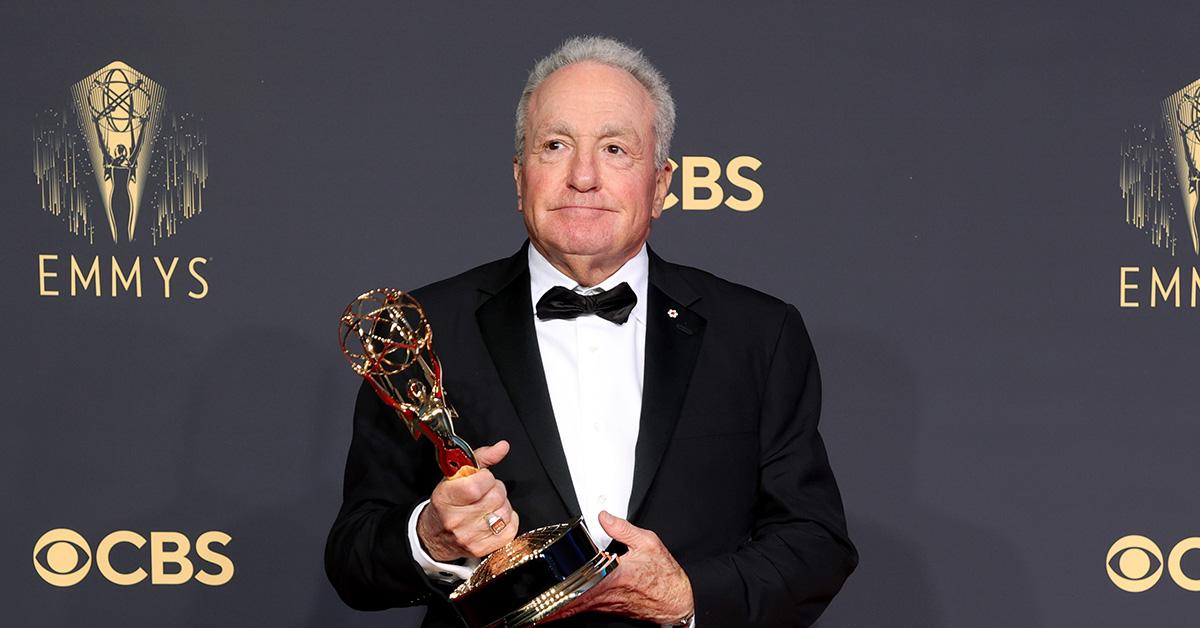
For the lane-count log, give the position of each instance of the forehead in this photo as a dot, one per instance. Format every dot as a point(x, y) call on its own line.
point(590, 94)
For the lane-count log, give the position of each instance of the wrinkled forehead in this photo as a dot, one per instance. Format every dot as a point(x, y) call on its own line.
point(591, 98)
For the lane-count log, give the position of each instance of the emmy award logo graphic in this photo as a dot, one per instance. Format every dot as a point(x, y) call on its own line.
point(1187, 119)
point(118, 129)
point(120, 110)
point(1160, 174)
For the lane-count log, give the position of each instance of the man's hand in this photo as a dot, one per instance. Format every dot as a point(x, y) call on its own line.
point(648, 584)
point(454, 525)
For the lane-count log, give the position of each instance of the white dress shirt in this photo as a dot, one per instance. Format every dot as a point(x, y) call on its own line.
point(594, 375)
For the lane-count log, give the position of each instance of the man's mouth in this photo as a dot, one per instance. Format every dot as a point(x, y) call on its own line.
point(583, 207)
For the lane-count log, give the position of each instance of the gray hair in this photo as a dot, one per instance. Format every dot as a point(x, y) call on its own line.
point(618, 55)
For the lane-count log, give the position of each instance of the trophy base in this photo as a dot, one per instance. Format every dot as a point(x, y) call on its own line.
point(549, 602)
point(532, 577)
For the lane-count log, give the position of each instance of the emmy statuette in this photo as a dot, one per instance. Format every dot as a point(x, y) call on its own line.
point(386, 337)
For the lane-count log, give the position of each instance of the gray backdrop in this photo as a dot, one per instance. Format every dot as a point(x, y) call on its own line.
point(941, 201)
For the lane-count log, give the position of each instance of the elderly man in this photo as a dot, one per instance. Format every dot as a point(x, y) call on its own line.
point(675, 411)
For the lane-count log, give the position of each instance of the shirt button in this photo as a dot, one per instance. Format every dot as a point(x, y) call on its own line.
point(596, 426)
point(602, 499)
point(593, 348)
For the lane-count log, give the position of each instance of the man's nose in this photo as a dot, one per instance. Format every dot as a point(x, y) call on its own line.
point(583, 176)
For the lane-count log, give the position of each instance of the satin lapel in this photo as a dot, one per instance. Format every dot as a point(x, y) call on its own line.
point(673, 338)
point(506, 322)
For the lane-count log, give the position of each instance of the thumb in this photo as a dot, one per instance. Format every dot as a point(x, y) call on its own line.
point(620, 529)
point(491, 455)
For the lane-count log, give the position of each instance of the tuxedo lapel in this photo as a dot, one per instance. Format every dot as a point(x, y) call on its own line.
point(506, 321)
point(673, 337)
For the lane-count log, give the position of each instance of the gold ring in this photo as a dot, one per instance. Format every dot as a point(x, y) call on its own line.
point(496, 523)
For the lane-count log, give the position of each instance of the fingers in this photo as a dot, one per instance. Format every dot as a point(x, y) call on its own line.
point(625, 532)
point(479, 540)
point(648, 584)
point(476, 496)
point(598, 597)
point(495, 499)
point(511, 528)
point(463, 472)
point(492, 454)
point(468, 490)
point(470, 534)
point(462, 507)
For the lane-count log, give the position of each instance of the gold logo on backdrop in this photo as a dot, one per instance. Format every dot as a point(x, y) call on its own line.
point(117, 162)
point(115, 153)
point(1160, 184)
point(1135, 563)
point(62, 557)
point(1185, 104)
point(701, 187)
point(1160, 172)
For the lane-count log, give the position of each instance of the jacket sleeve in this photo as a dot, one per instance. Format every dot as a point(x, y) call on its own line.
point(799, 552)
point(368, 558)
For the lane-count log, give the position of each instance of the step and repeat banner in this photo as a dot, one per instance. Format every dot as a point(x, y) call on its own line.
point(987, 214)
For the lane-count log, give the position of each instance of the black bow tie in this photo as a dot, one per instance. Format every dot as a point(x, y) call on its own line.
point(611, 305)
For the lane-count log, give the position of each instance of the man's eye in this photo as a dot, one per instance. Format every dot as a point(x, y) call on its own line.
point(613, 149)
point(554, 145)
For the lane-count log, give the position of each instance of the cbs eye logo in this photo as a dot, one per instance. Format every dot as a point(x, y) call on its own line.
point(66, 557)
point(62, 557)
point(1135, 563)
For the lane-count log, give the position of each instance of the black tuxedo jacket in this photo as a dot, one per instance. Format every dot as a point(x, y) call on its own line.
point(730, 470)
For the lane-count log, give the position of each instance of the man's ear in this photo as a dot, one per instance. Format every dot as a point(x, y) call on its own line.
point(662, 185)
point(517, 181)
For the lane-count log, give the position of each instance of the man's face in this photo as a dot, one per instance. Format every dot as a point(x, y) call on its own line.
point(589, 185)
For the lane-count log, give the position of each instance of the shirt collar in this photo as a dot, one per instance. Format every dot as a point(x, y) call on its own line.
point(636, 272)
